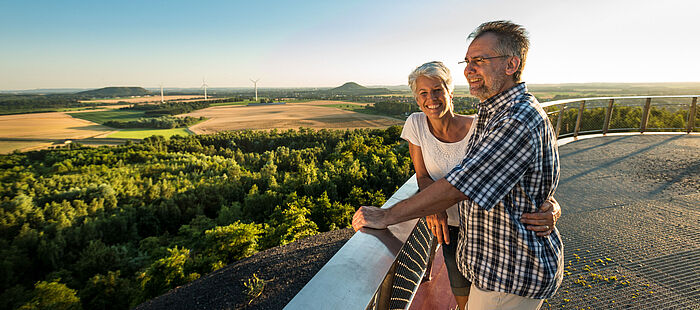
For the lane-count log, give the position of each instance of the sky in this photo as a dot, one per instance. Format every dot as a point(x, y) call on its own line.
point(92, 44)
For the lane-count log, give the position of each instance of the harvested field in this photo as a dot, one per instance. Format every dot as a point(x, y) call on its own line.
point(312, 114)
point(7, 147)
point(44, 129)
point(148, 99)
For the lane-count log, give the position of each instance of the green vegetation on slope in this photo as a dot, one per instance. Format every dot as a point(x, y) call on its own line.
point(110, 227)
point(114, 92)
point(102, 117)
point(17, 104)
point(354, 89)
point(133, 133)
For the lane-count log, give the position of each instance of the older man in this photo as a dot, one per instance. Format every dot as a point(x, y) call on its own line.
point(511, 167)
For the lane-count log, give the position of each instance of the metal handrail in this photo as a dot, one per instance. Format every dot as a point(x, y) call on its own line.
point(360, 275)
point(605, 128)
point(367, 258)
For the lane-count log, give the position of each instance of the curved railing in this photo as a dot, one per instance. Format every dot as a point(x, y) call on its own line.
point(574, 117)
point(382, 269)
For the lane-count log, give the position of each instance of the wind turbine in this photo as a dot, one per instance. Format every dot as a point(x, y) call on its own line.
point(162, 100)
point(255, 82)
point(204, 84)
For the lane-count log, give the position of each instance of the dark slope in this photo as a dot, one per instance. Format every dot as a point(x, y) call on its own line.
point(288, 268)
point(107, 92)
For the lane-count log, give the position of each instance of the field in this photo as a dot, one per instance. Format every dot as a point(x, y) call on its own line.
point(154, 98)
point(27, 131)
point(40, 130)
point(109, 115)
point(136, 133)
point(313, 114)
point(7, 147)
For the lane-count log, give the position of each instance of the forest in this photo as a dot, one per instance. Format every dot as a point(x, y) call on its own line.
point(162, 122)
point(171, 108)
point(15, 104)
point(110, 227)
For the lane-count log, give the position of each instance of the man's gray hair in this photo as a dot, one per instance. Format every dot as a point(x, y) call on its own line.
point(512, 40)
point(433, 69)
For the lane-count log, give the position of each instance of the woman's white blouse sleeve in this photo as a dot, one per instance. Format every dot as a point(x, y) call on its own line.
point(410, 132)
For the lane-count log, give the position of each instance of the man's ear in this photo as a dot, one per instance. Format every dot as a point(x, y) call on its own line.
point(512, 65)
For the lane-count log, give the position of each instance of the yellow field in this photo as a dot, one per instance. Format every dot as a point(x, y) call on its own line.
point(144, 99)
point(37, 130)
point(289, 116)
point(7, 147)
point(41, 130)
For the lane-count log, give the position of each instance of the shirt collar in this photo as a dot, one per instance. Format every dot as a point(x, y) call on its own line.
point(503, 98)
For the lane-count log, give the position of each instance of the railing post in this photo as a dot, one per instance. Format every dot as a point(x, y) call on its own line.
point(578, 119)
point(645, 116)
point(385, 288)
point(608, 114)
point(691, 115)
point(559, 118)
point(429, 267)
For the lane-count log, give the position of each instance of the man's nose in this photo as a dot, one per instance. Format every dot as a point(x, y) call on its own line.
point(469, 68)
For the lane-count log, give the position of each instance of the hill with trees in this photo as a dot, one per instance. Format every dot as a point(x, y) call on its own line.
point(114, 92)
point(354, 89)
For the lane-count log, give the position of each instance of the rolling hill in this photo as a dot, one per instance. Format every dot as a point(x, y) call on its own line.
point(352, 88)
point(110, 92)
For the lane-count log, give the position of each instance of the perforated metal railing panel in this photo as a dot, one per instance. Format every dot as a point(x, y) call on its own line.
point(411, 264)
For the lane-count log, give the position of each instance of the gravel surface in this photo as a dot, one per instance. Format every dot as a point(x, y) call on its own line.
point(630, 224)
point(287, 269)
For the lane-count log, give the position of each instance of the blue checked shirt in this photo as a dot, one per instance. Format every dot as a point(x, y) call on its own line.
point(511, 168)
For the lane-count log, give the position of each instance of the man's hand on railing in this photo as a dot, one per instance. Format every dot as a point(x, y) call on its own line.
point(544, 220)
point(437, 223)
point(371, 217)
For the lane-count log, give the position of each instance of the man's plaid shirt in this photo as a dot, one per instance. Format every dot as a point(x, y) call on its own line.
point(511, 168)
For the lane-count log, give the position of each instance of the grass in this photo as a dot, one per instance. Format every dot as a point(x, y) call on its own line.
point(254, 286)
point(7, 147)
point(343, 106)
point(136, 133)
point(101, 117)
point(244, 102)
point(298, 100)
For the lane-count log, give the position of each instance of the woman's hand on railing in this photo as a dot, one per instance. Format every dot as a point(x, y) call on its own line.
point(544, 220)
point(371, 217)
point(437, 223)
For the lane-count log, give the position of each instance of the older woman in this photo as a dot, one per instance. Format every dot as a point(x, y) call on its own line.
point(437, 139)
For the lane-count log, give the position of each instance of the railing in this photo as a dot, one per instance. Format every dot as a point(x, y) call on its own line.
point(574, 117)
point(382, 269)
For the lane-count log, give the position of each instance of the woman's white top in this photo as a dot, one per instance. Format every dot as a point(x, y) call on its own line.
point(439, 157)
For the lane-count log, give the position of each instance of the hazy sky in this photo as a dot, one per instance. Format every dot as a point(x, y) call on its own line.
point(90, 44)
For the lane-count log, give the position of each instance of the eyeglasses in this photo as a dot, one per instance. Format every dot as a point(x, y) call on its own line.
point(476, 61)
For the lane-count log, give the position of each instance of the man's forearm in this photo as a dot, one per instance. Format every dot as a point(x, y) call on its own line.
point(435, 198)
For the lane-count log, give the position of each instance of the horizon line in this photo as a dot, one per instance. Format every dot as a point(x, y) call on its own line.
point(301, 87)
